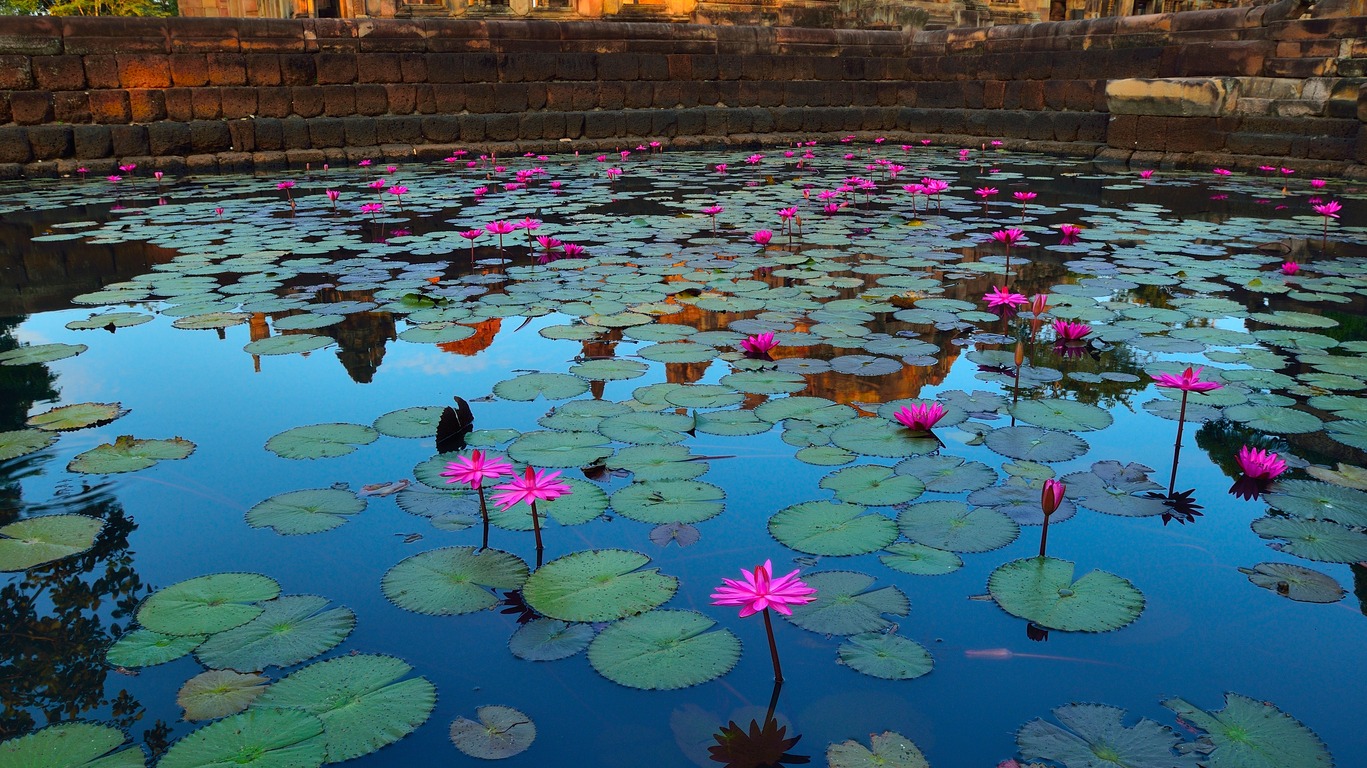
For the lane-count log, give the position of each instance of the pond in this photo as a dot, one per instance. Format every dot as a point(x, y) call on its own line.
point(228, 404)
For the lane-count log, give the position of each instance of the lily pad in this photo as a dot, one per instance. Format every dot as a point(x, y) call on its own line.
point(420, 421)
point(41, 353)
point(609, 370)
point(1317, 540)
point(1063, 415)
point(219, 693)
point(664, 650)
point(1094, 736)
point(501, 732)
point(206, 605)
point(1042, 590)
point(452, 580)
point(874, 437)
point(127, 454)
point(846, 605)
point(831, 528)
point(37, 540)
point(549, 639)
point(956, 527)
point(646, 428)
point(1035, 444)
point(76, 416)
point(277, 738)
point(597, 585)
point(145, 648)
point(889, 750)
point(947, 474)
point(71, 745)
point(889, 656)
point(872, 485)
point(1295, 582)
point(290, 630)
point(1274, 419)
point(583, 503)
point(361, 701)
point(321, 441)
point(1311, 500)
point(289, 344)
point(22, 442)
point(300, 512)
point(558, 450)
point(920, 560)
point(1254, 734)
point(552, 386)
point(764, 382)
point(669, 501)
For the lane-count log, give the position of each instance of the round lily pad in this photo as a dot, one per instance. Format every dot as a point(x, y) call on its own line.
point(845, 604)
point(663, 650)
point(36, 540)
point(127, 454)
point(1277, 420)
point(452, 580)
point(145, 648)
point(831, 528)
point(1312, 500)
point(920, 560)
point(499, 733)
point(71, 745)
point(597, 585)
point(1317, 540)
point(1035, 444)
point(40, 353)
point(290, 629)
point(1249, 733)
point(889, 750)
point(669, 501)
point(954, 526)
point(557, 450)
point(947, 474)
point(289, 344)
point(764, 382)
point(219, 693)
point(1094, 734)
point(1063, 415)
point(646, 428)
point(872, 485)
point(207, 604)
point(658, 462)
point(609, 370)
point(1295, 582)
point(1042, 590)
point(549, 639)
point(875, 437)
point(110, 321)
point(76, 416)
point(22, 442)
point(583, 503)
point(552, 386)
point(891, 657)
point(210, 321)
point(264, 738)
point(301, 512)
point(321, 441)
point(420, 421)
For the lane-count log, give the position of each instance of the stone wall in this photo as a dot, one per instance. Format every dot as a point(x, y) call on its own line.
point(244, 94)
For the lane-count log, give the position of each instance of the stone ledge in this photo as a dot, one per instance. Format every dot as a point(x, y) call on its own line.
point(1173, 97)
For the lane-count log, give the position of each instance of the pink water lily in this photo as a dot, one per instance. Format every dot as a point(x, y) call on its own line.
point(1000, 296)
point(529, 488)
point(1008, 237)
point(762, 236)
point(473, 470)
point(1070, 233)
point(1290, 268)
point(574, 250)
point(985, 192)
point(1260, 464)
point(757, 592)
point(1070, 331)
point(1188, 381)
point(1146, 174)
point(1051, 496)
point(1329, 210)
point(920, 417)
point(759, 345)
point(1024, 197)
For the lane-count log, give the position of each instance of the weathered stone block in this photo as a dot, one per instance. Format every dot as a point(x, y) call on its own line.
point(166, 138)
point(298, 69)
point(1188, 96)
point(307, 101)
point(269, 135)
point(210, 136)
point(243, 134)
point(227, 69)
point(207, 103)
point(105, 107)
point(238, 102)
point(502, 127)
point(14, 146)
point(144, 70)
point(449, 99)
point(147, 106)
point(273, 102)
point(49, 142)
point(335, 68)
point(441, 129)
point(379, 68)
point(472, 128)
point(401, 97)
point(91, 141)
point(263, 69)
point(52, 73)
point(189, 70)
point(101, 71)
point(370, 100)
point(339, 100)
point(341, 132)
point(71, 107)
point(130, 140)
point(296, 134)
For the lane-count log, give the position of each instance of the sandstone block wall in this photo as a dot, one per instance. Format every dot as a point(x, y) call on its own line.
point(1251, 85)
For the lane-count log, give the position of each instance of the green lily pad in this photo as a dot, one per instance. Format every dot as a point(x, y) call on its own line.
point(678, 352)
point(597, 585)
point(1254, 734)
point(558, 450)
point(128, 454)
point(452, 580)
point(145, 648)
point(657, 462)
point(1313, 500)
point(646, 428)
point(891, 657)
point(109, 321)
point(76, 416)
point(663, 650)
point(289, 344)
point(890, 750)
point(920, 560)
point(549, 640)
point(1353, 433)
point(501, 732)
point(300, 512)
point(845, 604)
point(22, 442)
point(947, 474)
point(41, 353)
point(410, 422)
point(831, 528)
point(583, 503)
point(71, 745)
point(37, 540)
point(1035, 444)
point(1063, 415)
point(552, 386)
point(730, 424)
point(824, 455)
point(1295, 582)
point(704, 396)
point(207, 604)
point(609, 370)
point(321, 441)
point(875, 437)
point(1094, 736)
point(1042, 590)
point(219, 693)
point(1270, 418)
point(361, 701)
point(764, 382)
point(290, 629)
point(872, 485)
point(210, 321)
point(954, 526)
point(277, 738)
point(1317, 540)
point(669, 501)
point(817, 410)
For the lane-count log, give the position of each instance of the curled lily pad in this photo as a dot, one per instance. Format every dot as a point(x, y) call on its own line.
point(552, 386)
point(207, 604)
point(452, 580)
point(265, 738)
point(846, 604)
point(549, 639)
point(956, 527)
point(22, 442)
point(290, 629)
point(500, 732)
point(145, 648)
point(831, 528)
point(321, 441)
point(597, 585)
point(1094, 735)
point(1295, 582)
point(219, 693)
point(889, 750)
point(37, 540)
point(669, 501)
point(76, 416)
point(128, 454)
point(71, 745)
point(40, 353)
point(889, 656)
point(1254, 734)
point(361, 700)
point(301, 512)
point(663, 650)
point(1042, 590)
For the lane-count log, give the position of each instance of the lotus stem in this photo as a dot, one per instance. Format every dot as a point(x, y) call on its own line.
point(536, 529)
point(773, 648)
point(1044, 536)
point(1177, 446)
point(484, 513)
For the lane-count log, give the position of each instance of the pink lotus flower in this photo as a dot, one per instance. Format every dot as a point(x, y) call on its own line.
point(601, 158)
point(763, 236)
point(721, 167)
point(1000, 296)
point(472, 234)
point(528, 224)
point(474, 469)
point(372, 208)
point(1146, 174)
point(1317, 183)
point(398, 191)
point(479, 192)
point(128, 168)
point(531, 487)
point(285, 185)
point(574, 250)
point(1259, 464)
point(963, 154)
point(925, 142)
point(390, 168)
point(1070, 331)
point(920, 417)
point(333, 194)
point(499, 227)
point(1221, 172)
point(378, 184)
point(1329, 210)
point(754, 159)
point(219, 212)
point(1290, 268)
point(157, 175)
point(759, 344)
point(1039, 304)
point(364, 163)
point(713, 210)
point(1070, 233)
point(985, 192)
point(1188, 381)
point(760, 591)
point(1024, 197)
point(113, 179)
point(1008, 237)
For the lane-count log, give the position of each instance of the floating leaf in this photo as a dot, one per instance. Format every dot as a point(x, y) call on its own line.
point(764, 382)
point(671, 501)
point(831, 528)
point(1319, 501)
point(1063, 415)
point(1352, 433)
point(207, 322)
point(76, 416)
point(321, 441)
point(22, 442)
point(301, 512)
point(549, 640)
point(646, 428)
point(552, 386)
point(360, 700)
point(597, 585)
point(730, 424)
point(37, 540)
point(207, 604)
point(40, 353)
point(947, 474)
point(954, 526)
point(70, 745)
point(293, 343)
point(872, 485)
point(276, 738)
point(1278, 421)
point(891, 657)
point(609, 370)
point(421, 421)
point(920, 560)
point(874, 437)
point(1254, 734)
point(704, 396)
point(825, 455)
point(219, 693)
point(452, 580)
point(845, 605)
point(1295, 582)
point(663, 650)
point(890, 750)
point(583, 503)
point(679, 352)
point(1318, 540)
point(683, 534)
point(1042, 590)
point(657, 462)
point(817, 410)
point(127, 454)
point(501, 732)
point(289, 630)
point(109, 321)
point(557, 450)
point(1093, 736)
point(145, 648)
point(1035, 444)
